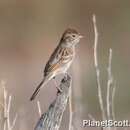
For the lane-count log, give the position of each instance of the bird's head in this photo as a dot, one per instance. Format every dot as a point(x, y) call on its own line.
point(71, 37)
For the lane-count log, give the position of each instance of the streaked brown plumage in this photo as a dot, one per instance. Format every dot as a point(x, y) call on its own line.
point(61, 58)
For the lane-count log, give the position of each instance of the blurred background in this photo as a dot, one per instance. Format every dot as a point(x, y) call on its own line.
point(29, 32)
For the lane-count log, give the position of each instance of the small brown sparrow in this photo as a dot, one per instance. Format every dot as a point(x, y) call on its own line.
point(61, 58)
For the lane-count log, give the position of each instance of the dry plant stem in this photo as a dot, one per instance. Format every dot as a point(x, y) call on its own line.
point(109, 85)
point(111, 89)
point(39, 108)
point(51, 120)
point(113, 97)
point(97, 69)
point(70, 110)
point(14, 121)
point(8, 114)
point(7, 107)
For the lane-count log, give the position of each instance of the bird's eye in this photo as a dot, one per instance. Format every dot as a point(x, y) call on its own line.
point(73, 35)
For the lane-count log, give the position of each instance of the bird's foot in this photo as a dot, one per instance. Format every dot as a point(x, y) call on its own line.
point(59, 90)
point(67, 75)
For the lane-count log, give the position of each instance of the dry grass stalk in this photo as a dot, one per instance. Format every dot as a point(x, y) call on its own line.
point(7, 100)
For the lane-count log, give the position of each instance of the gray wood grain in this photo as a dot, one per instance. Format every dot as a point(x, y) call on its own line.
point(51, 119)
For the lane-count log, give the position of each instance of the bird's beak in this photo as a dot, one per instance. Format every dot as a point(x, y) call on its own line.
point(80, 36)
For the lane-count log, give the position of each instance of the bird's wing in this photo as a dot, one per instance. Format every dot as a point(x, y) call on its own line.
point(59, 57)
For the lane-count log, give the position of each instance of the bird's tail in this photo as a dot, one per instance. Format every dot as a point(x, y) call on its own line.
point(42, 83)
